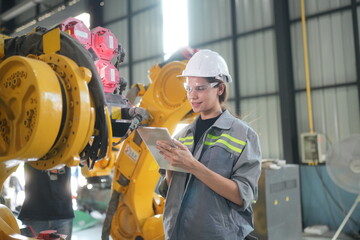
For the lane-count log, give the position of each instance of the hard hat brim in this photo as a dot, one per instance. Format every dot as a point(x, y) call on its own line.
point(228, 78)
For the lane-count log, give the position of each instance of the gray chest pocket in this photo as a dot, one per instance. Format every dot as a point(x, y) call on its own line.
point(219, 159)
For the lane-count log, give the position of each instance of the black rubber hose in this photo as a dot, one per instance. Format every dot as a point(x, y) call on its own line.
point(110, 211)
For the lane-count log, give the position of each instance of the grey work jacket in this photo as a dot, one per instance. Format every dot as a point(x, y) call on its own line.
point(192, 210)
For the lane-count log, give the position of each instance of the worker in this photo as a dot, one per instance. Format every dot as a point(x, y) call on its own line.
point(48, 200)
point(221, 154)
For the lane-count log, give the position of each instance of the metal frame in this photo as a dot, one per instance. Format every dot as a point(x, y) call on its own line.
point(355, 19)
point(11, 24)
point(235, 55)
point(323, 13)
point(286, 81)
point(129, 16)
point(129, 52)
point(6, 5)
point(96, 13)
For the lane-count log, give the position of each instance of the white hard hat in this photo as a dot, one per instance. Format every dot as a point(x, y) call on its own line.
point(207, 63)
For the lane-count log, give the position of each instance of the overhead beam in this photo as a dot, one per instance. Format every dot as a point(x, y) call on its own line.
point(18, 9)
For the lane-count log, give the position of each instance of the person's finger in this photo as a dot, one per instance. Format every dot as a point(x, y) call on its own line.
point(162, 143)
point(179, 144)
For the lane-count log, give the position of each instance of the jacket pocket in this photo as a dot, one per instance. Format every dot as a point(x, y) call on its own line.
point(219, 160)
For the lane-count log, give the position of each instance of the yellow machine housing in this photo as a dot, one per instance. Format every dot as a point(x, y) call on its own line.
point(35, 124)
point(47, 117)
point(139, 210)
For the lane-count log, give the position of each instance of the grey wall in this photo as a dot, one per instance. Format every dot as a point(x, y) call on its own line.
point(138, 25)
point(331, 57)
point(251, 41)
point(333, 70)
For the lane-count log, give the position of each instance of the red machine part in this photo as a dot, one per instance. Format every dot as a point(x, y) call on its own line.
point(104, 43)
point(109, 75)
point(78, 30)
point(50, 235)
point(188, 52)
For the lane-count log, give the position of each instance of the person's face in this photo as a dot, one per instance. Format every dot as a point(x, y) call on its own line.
point(203, 96)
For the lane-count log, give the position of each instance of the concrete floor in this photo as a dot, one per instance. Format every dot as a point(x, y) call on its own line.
point(95, 233)
point(90, 233)
point(327, 236)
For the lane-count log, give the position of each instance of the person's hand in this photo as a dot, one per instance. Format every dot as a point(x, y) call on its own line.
point(177, 154)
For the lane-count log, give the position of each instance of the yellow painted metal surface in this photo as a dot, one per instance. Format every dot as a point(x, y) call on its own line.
point(8, 225)
point(9, 229)
point(306, 66)
point(165, 98)
point(79, 114)
point(166, 101)
point(30, 108)
point(152, 228)
point(2, 45)
point(8, 219)
point(51, 41)
point(46, 115)
point(6, 168)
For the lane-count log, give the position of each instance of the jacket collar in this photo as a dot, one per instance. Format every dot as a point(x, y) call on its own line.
point(223, 122)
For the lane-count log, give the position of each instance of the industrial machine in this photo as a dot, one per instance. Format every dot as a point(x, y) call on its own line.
point(61, 99)
point(277, 213)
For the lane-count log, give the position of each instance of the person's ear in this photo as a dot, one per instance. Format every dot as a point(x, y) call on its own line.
point(220, 89)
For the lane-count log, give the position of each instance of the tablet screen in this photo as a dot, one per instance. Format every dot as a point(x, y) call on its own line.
point(150, 135)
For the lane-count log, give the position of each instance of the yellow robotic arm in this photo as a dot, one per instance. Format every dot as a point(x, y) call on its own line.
point(135, 210)
point(47, 114)
point(53, 113)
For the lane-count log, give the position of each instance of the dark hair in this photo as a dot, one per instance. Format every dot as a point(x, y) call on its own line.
point(223, 97)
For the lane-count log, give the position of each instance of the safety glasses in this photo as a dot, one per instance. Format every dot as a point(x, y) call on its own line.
point(199, 88)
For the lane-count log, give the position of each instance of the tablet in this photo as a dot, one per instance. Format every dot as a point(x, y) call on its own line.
point(150, 135)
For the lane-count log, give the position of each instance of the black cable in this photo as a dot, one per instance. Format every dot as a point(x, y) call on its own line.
point(110, 211)
point(73, 49)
